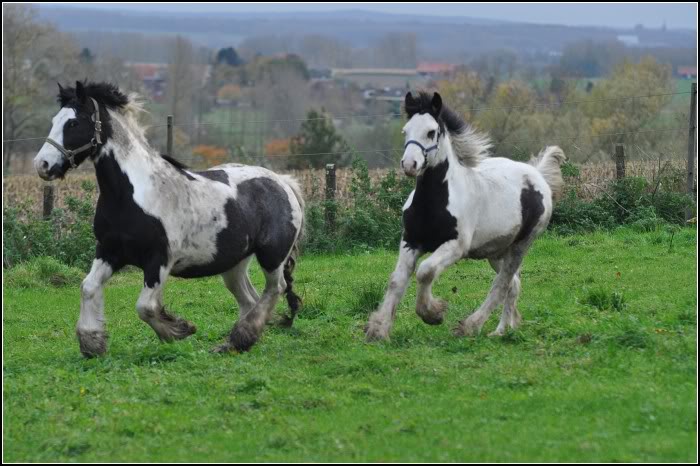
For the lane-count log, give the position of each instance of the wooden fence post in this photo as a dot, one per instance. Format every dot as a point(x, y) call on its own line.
point(330, 195)
point(619, 161)
point(692, 148)
point(48, 200)
point(169, 150)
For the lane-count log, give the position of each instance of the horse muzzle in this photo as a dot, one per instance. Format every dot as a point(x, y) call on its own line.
point(50, 170)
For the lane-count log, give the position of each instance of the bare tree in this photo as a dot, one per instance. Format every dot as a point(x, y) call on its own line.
point(20, 31)
point(181, 80)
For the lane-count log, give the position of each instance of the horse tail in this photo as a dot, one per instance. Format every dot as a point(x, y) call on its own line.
point(548, 163)
point(293, 300)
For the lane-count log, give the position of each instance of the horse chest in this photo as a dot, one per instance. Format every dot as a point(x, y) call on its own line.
point(427, 222)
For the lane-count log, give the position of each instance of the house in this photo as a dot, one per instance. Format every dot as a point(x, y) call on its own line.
point(153, 76)
point(435, 70)
point(379, 78)
point(687, 72)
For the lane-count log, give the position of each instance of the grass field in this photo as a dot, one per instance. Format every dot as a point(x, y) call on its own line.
point(603, 369)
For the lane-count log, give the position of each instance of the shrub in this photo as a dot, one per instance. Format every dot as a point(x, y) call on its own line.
point(66, 236)
point(43, 271)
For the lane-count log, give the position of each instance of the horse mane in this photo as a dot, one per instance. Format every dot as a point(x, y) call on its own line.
point(129, 106)
point(107, 94)
point(470, 145)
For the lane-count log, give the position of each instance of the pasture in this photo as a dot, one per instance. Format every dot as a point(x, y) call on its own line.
point(603, 368)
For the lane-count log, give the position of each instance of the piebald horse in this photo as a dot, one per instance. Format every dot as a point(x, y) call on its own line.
point(466, 205)
point(156, 214)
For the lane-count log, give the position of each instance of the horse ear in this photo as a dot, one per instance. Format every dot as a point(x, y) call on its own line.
point(436, 103)
point(409, 99)
point(80, 91)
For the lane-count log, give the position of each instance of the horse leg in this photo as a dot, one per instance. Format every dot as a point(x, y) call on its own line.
point(510, 316)
point(471, 326)
point(250, 326)
point(429, 309)
point(90, 330)
point(382, 319)
point(238, 283)
point(150, 307)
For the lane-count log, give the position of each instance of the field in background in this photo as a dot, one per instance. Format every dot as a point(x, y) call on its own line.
point(603, 369)
point(592, 180)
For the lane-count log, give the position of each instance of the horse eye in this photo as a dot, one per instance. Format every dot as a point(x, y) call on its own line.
point(73, 123)
point(431, 134)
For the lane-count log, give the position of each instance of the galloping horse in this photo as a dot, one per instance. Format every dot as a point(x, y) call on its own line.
point(154, 213)
point(465, 206)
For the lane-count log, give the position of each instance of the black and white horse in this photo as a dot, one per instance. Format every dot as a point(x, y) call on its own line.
point(156, 214)
point(465, 206)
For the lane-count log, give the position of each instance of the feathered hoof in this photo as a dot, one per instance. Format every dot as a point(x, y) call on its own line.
point(466, 329)
point(434, 312)
point(222, 348)
point(282, 321)
point(92, 343)
point(376, 332)
point(178, 330)
point(243, 336)
point(170, 327)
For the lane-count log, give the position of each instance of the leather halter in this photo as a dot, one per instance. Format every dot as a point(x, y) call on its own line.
point(70, 154)
point(425, 150)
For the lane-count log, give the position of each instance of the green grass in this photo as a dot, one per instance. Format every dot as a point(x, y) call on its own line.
point(578, 382)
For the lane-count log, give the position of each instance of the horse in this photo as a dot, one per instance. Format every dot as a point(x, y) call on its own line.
point(466, 205)
point(156, 214)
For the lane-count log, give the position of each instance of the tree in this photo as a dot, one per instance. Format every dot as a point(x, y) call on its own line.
point(34, 57)
point(228, 56)
point(612, 111)
point(86, 57)
point(318, 137)
point(181, 80)
point(464, 91)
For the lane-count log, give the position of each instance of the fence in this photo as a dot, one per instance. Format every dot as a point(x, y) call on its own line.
point(330, 185)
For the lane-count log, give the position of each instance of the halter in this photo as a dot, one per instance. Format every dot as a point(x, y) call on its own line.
point(425, 150)
point(70, 154)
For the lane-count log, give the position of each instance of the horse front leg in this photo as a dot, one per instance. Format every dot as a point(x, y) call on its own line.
point(382, 319)
point(432, 310)
point(150, 307)
point(90, 329)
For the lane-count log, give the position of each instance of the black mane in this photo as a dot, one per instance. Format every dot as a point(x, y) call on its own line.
point(445, 117)
point(106, 94)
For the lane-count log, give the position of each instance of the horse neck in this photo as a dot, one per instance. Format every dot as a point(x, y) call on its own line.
point(126, 156)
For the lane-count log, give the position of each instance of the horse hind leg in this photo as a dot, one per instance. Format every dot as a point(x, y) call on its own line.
point(507, 269)
point(150, 308)
point(249, 327)
point(293, 300)
point(510, 316)
point(238, 283)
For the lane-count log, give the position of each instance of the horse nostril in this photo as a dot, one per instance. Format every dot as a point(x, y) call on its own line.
point(401, 163)
point(45, 165)
point(415, 164)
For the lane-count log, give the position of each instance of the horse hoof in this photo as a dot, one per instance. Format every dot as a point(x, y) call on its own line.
point(243, 336)
point(179, 330)
point(466, 329)
point(375, 333)
point(283, 321)
point(92, 342)
point(434, 312)
point(184, 329)
point(497, 333)
point(222, 348)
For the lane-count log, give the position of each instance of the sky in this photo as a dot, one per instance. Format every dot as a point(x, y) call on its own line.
point(623, 15)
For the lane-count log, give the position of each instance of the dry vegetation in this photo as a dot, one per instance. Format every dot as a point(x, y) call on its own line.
point(592, 180)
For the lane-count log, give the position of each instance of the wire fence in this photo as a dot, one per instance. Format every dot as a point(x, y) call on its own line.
point(390, 154)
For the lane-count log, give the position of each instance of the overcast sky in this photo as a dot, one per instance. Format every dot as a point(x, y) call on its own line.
point(675, 15)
